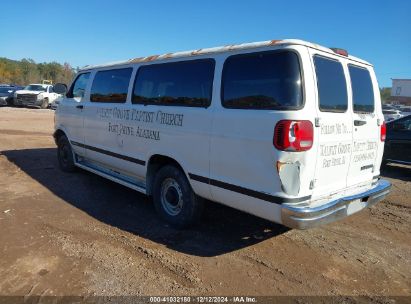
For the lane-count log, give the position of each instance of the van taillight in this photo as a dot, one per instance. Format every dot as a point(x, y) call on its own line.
point(383, 131)
point(293, 135)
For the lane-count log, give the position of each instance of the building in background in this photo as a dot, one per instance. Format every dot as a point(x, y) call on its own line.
point(401, 92)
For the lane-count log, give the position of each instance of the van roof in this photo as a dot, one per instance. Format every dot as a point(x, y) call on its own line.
point(221, 49)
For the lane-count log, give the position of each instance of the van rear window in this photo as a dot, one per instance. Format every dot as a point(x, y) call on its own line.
point(265, 80)
point(331, 85)
point(362, 91)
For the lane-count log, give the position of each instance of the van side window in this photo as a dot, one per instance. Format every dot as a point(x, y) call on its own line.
point(111, 86)
point(265, 80)
point(78, 87)
point(331, 85)
point(362, 91)
point(184, 83)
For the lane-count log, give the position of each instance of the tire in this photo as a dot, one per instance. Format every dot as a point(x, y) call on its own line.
point(45, 103)
point(65, 155)
point(174, 199)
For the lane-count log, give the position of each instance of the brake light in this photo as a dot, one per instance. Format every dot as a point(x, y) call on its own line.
point(339, 51)
point(383, 131)
point(293, 135)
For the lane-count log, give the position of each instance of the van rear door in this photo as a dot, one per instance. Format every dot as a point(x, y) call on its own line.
point(348, 133)
point(366, 130)
point(334, 124)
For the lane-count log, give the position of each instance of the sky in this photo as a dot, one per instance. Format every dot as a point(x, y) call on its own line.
point(92, 32)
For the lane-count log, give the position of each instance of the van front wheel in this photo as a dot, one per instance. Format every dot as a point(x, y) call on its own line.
point(174, 199)
point(65, 155)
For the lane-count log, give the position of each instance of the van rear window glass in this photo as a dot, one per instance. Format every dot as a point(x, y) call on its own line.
point(111, 86)
point(331, 85)
point(362, 91)
point(184, 83)
point(265, 80)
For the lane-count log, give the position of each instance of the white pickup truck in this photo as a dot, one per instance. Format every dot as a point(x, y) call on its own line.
point(35, 95)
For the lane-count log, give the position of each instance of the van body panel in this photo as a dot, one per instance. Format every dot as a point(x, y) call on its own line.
point(71, 123)
point(70, 118)
point(109, 136)
point(188, 144)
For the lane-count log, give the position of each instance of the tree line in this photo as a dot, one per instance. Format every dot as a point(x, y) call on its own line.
point(27, 71)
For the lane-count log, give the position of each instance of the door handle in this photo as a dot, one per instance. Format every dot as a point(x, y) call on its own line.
point(80, 107)
point(358, 123)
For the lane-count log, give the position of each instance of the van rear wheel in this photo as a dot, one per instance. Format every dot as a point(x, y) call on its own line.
point(174, 199)
point(65, 155)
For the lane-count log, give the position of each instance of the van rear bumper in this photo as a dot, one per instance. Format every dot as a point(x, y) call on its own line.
point(306, 217)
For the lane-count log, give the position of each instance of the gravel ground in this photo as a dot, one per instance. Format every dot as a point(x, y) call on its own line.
point(79, 234)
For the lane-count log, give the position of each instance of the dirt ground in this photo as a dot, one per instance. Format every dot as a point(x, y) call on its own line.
point(79, 234)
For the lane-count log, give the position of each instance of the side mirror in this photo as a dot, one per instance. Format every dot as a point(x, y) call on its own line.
point(60, 88)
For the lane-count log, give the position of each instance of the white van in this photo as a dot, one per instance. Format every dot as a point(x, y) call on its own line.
point(286, 130)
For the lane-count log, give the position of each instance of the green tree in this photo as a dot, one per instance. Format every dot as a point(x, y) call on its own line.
point(27, 71)
point(385, 94)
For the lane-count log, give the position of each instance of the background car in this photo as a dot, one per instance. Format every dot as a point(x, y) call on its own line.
point(7, 94)
point(398, 141)
point(388, 107)
point(405, 111)
point(392, 114)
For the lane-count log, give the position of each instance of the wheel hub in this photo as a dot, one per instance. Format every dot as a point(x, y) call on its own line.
point(171, 196)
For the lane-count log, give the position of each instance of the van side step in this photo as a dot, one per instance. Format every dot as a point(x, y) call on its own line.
point(115, 177)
